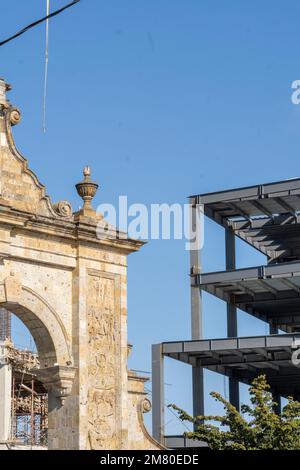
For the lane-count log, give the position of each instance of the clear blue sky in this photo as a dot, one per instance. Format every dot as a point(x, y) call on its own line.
point(163, 98)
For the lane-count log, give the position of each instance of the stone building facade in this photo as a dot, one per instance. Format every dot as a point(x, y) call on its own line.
point(63, 273)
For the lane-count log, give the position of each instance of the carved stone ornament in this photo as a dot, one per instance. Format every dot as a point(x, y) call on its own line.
point(87, 188)
point(14, 116)
point(57, 380)
point(63, 208)
point(146, 405)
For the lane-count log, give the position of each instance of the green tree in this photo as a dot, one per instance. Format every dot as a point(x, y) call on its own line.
point(257, 427)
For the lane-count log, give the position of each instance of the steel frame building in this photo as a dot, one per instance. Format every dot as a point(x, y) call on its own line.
point(267, 217)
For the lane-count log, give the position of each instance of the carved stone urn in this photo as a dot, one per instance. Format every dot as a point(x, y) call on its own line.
point(87, 190)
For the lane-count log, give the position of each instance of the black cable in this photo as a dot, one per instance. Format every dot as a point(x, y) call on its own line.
point(24, 30)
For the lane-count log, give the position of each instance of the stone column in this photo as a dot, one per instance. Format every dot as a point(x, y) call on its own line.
point(5, 395)
point(63, 412)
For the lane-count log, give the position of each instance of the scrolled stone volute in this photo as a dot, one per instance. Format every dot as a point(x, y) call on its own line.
point(146, 405)
point(14, 116)
point(63, 208)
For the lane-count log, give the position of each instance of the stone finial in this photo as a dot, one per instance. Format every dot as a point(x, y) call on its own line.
point(4, 87)
point(14, 115)
point(87, 190)
point(86, 172)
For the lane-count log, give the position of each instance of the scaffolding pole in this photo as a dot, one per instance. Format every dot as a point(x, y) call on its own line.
point(5, 324)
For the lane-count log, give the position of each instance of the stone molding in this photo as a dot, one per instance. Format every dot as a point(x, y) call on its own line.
point(58, 380)
point(21, 299)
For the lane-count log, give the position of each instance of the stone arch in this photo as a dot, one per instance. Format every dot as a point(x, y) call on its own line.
point(43, 322)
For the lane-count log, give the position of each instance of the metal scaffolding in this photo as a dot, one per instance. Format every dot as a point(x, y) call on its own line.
point(5, 324)
point(267, 217)
point(29, 410)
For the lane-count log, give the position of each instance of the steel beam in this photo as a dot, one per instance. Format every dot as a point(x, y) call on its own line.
point(269, 190)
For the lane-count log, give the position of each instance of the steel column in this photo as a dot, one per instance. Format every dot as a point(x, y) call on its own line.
point(158, 402)
point(277, 399)
point(232, 328)
point(196, 310)
point(273, 330)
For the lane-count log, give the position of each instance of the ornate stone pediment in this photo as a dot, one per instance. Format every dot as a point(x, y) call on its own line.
point(20, 189)
point(64, 276)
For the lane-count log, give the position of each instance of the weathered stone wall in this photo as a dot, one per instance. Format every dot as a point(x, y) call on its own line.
point(138, 404)
point(105, 392)
point(5, 393)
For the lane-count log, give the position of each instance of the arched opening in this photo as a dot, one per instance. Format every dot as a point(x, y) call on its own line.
point(20, 334)
point(36, 331)
point(25, 402)
point(56, 370)
point(44, 323)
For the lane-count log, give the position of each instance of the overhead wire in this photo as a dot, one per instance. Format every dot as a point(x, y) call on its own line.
point(171, 411)
point(32, 25)
point(35, 23)
point(46, 64)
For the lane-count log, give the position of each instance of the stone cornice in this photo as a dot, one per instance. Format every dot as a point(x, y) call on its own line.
point(82, 231)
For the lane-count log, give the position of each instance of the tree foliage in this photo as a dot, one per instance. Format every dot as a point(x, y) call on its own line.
point(257, 427)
